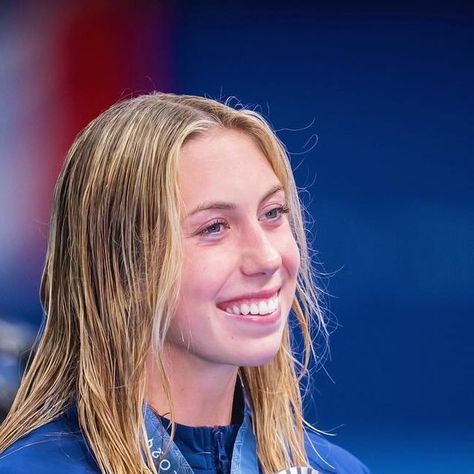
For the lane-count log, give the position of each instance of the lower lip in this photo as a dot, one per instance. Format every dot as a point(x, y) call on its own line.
point(257, 319)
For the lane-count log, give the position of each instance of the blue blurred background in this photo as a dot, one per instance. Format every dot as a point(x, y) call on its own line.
point(374, 101)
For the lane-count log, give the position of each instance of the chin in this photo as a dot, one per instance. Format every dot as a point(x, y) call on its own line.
point(259, 358)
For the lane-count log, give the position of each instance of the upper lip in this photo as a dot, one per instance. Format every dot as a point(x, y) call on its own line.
point(258, 294)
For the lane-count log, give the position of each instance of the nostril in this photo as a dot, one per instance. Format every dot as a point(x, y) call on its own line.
point(261, 265)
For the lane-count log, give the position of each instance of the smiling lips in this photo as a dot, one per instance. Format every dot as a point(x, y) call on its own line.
point(252, 306)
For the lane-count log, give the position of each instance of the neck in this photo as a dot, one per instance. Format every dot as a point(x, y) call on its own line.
point(201, 392)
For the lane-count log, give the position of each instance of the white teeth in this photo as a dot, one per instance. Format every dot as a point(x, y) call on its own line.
point(262, 308)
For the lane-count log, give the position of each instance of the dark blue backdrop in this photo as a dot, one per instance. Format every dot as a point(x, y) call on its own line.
point(388, 92)
point(380, 95)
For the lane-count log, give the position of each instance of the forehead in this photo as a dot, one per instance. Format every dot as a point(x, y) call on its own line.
point(220, 147)
point(223, 163)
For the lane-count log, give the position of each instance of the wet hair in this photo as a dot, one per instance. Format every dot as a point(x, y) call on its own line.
point(111, 277)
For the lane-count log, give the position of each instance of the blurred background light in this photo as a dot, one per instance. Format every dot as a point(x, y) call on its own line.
point(374, 101)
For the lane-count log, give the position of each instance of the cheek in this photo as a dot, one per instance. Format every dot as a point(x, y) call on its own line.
point(204, 271)
point(291, 257)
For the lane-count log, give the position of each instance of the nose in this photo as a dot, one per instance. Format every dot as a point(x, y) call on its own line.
point(259, 253)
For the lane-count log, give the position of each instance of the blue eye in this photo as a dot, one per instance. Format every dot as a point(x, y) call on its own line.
point(214, 228)
point(217, 226)
point(279, 211)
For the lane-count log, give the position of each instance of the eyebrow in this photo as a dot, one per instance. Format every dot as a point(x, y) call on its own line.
point(206, 205)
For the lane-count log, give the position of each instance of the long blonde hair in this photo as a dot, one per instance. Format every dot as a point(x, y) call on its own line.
point(110, 285)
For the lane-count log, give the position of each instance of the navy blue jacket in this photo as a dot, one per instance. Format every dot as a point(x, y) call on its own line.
point(60, 447)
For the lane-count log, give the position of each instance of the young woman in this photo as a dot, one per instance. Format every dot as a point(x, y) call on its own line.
point(177, 252)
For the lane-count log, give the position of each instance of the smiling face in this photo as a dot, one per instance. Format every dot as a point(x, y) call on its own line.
point(239, 255)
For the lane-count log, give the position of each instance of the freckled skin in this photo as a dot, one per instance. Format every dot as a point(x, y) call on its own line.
point(252, 251)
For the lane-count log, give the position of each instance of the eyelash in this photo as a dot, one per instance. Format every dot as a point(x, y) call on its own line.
point(205, 232)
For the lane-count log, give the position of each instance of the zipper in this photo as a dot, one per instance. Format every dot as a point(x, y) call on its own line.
point(222, 461)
